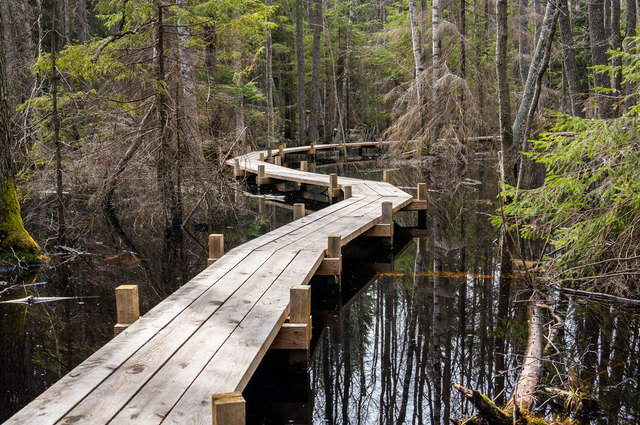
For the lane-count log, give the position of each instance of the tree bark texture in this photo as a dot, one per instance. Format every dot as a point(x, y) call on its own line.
point(15, 243)
point(537, 69)
point(599, 46)
point(569, 59)
point(316, 106)
point(301, 97)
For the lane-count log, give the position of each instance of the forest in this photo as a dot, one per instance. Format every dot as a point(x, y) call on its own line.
point(117, 117)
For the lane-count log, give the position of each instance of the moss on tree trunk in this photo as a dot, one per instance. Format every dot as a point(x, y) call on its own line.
point(16, 245)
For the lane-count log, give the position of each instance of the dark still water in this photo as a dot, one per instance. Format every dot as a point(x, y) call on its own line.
point(410, 318)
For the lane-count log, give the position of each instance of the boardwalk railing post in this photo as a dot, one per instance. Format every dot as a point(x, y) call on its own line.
point(228, 409)
point(127, 307)
point(216, 248)
point(304, 165)
point(278, 160)
point(269, 155)
point(298, 211)
point(333, 186)
point(386, 176)
point(332, 263)
point(261, 156)
point(262, 177)
point(262, 206)
point(346, 190)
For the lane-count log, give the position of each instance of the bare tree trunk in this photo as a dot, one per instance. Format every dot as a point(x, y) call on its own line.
point(164, 164)
point(524, 50)
point(241, 131)
point(301, 100)
point(630, 32)
point(616, 44)
point(314, 116)
point(56, 124)
point(14, 239)
point(268, 85)
point(188, 113)
point(599, 47)
point(436, 19)
point(569, 58)
point(536, 71)
point(417, 50)
point(345, 78)
point(507, 176)
point(82, 29)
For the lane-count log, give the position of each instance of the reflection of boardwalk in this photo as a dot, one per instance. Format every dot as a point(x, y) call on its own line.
point(209, 336)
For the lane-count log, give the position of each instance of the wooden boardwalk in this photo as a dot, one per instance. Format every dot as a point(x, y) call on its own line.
point(209, 336)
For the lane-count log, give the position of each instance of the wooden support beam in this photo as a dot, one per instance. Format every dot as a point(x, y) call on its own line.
point(330, 267)
point(216, 248)
point(228, 409)
point(278, 160)
point(261, 156)
point(312, 149)
point(346, 190)
point(298, 211)
point(296, 334)
point(415, 206)
point(127, 307)
point(304, 165)
point(269, 155)
point(281, 150)
point(332, 263)
point(292, 336)
point(383, 229)
point(262, 206)
point(386, 176)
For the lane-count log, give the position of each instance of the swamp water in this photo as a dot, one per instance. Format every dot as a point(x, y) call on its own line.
point(410, 318)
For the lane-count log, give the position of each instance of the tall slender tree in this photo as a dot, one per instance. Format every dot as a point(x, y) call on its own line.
point(316, 105)
point(15, 243)
point(599, 46)
point(569, 59)
point(301, 96)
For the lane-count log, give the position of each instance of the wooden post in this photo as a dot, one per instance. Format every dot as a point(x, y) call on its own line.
point(422, 191)
point(304, 165)
point(269, 155)
point(386, 176)
point(228, 409)
point(127, 307)
point(387, 212)
point(262, 206)
point(261, 156)
point(216, 248)
point(333, 185)
point(281, 150)
point(347, 192)
point(298, 211)
point(278, 160)
point(237, 171)
point(334, 247)
point(300, 304)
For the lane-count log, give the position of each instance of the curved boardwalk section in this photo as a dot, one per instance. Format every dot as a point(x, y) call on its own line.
point(210, 335)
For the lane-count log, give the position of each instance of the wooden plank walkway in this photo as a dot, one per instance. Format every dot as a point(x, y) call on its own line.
point(209, 336)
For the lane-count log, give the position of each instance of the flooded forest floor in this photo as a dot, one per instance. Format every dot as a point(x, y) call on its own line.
point(411, 318)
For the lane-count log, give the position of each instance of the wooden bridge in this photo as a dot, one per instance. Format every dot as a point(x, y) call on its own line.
point(188, 359)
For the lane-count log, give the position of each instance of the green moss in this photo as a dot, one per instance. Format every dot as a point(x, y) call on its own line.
point(16, 245)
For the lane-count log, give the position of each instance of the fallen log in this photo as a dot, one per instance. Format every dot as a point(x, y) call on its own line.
point(487, 409)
